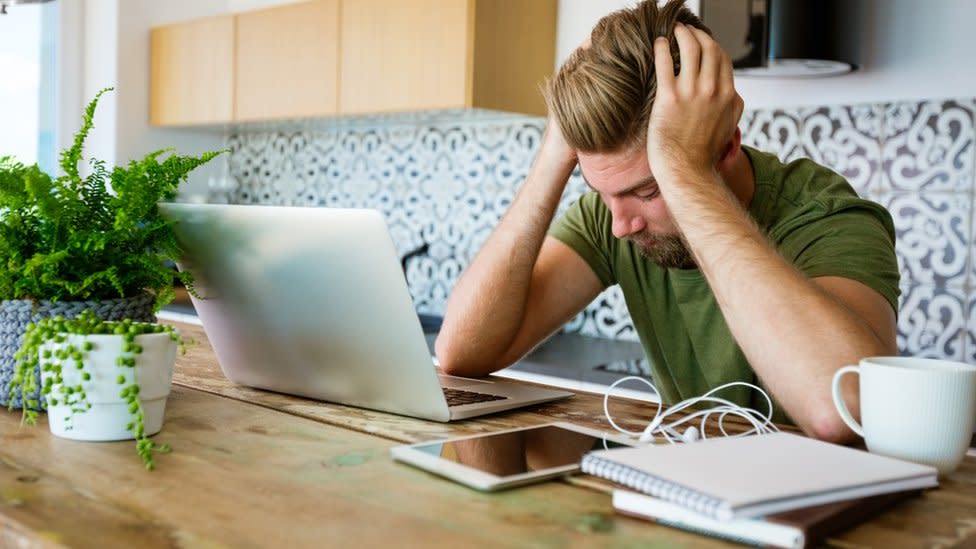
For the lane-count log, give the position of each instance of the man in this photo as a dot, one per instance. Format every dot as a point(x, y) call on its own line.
point(733, 265)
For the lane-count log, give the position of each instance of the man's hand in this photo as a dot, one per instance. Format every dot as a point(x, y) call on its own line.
point(554, 150)
point(795, 331)
point(522, 285)
point(696, 112)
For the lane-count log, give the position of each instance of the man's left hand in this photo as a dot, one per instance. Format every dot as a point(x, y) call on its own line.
point(695, 112)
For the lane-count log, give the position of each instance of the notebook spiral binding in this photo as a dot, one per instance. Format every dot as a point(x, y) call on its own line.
point(659, 488)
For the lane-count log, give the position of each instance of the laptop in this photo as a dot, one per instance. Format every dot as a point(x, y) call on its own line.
point(314, 302)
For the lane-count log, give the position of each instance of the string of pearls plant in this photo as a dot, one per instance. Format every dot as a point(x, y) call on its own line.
point(46, 344)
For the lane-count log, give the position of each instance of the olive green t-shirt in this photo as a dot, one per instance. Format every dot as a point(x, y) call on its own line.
point(812, 216)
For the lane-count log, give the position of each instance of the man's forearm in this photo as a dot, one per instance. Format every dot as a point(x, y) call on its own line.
point(487, 306)
point(796, 332)
point(793, 332)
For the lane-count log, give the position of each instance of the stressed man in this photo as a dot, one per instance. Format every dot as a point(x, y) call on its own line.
point(734, 266)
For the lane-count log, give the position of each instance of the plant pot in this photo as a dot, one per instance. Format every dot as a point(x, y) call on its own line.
point(16, 314)
point(109, 415)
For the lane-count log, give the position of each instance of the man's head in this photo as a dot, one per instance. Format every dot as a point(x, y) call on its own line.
point(602, 95)
point(601, 98)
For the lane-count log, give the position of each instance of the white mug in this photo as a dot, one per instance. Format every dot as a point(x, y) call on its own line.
point(917, 409)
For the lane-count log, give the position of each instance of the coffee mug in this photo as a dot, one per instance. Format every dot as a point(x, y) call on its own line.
point(917, 409)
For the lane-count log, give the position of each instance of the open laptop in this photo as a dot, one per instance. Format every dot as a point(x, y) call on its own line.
point(313, 302)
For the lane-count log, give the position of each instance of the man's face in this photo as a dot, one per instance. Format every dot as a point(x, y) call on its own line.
point(625, 183)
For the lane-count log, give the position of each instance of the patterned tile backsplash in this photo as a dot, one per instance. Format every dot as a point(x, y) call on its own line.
point(443, 182)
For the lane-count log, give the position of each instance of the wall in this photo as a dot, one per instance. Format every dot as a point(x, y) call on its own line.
point(911, 50)
point(71, 72)
point(901, 129)
point(445, 183)
point(106, 43)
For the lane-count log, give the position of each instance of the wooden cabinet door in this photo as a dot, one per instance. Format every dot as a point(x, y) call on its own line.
point(287, 61)
point(514, 53)
point(192, 72)
point(399, 55)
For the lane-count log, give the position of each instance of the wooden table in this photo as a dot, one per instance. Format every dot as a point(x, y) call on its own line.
point(251, 468)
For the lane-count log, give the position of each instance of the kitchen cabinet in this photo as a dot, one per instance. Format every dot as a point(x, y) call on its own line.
point(437, 54)
point(327, 57)
point(287, 61)
point(192, 72)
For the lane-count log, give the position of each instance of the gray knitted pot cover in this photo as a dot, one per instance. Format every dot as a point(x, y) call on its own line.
point(15, 315)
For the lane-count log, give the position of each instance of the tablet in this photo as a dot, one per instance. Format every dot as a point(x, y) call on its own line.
point(494, 461)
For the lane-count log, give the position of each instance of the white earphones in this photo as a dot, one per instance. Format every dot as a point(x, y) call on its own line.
point(692, 433)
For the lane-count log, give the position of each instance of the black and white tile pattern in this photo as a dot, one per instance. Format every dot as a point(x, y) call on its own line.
point(443, 185)
point(846, 139)
point(928, 146)
point(444, 182)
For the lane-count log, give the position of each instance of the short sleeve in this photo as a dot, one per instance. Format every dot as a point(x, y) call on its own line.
point(585, 227)
point(856, 243)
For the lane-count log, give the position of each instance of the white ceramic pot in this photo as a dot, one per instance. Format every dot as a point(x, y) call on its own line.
point(109, 415)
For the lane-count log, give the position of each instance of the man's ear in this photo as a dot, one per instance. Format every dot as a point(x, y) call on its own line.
point(731, 152)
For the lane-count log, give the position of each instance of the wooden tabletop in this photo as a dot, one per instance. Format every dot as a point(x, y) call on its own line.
point(251, 468)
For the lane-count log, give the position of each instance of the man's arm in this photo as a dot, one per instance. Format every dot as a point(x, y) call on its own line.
point(522, 285)
point(796, 332)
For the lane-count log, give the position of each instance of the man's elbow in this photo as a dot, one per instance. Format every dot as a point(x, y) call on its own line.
point(450, 363)
point(452, 360)
point(461, 369)
point(828, 426)
point(446, 355)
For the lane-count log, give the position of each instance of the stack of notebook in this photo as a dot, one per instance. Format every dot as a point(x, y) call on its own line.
point(780, 489)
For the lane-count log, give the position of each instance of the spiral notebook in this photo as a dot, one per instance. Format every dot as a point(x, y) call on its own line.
point(746, 477)
point(795, 529)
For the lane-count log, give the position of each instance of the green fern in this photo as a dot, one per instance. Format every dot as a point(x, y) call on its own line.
point(94, 237)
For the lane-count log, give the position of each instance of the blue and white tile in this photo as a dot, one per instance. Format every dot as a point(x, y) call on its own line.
point(932, 322)
point(448, 183)
point(970, 331)
point(933, 231)
point(845, 139)
point(775, 131)
point(971, 274)
point(606, 316)
point(928, 145)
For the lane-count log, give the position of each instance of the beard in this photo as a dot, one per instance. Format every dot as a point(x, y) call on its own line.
point(667, 250)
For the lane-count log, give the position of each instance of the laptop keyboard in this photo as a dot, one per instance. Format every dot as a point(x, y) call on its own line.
point(459, 397)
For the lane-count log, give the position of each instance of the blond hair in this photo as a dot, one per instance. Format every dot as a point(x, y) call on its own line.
point(602, 95)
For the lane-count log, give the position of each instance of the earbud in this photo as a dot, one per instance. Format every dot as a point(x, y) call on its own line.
point(647, 436)
point(661, 425)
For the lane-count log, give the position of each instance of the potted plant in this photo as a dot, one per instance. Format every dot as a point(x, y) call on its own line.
point(102, 380)
point(78, 243)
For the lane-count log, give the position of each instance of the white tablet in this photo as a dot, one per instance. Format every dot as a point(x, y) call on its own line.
point(493, 461)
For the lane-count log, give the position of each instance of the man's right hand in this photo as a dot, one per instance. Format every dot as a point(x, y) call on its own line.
point(554, 146)
point(522, 285)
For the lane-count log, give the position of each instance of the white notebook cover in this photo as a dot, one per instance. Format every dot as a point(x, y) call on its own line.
point(756, 475)
point(752, 531)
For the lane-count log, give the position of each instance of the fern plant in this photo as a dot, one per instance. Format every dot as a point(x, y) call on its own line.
point(95, 237)
point(92, 238)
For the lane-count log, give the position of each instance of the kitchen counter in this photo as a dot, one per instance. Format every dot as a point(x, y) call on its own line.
point(571, 361)
point(253, 468)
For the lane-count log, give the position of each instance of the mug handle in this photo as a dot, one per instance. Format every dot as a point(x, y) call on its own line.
point(839, 403)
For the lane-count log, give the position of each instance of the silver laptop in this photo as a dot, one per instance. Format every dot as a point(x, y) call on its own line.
point(313, 302)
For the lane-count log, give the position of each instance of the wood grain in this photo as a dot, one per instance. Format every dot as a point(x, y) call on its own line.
point(445, 54)
point(192, 72)
point(244, 476)
point(514, 52)
point(287, 61)
point(399, 56)
point(288, 471)
point(199, 369)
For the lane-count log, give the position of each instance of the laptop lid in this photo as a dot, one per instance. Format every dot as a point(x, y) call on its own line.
point(309, 301)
